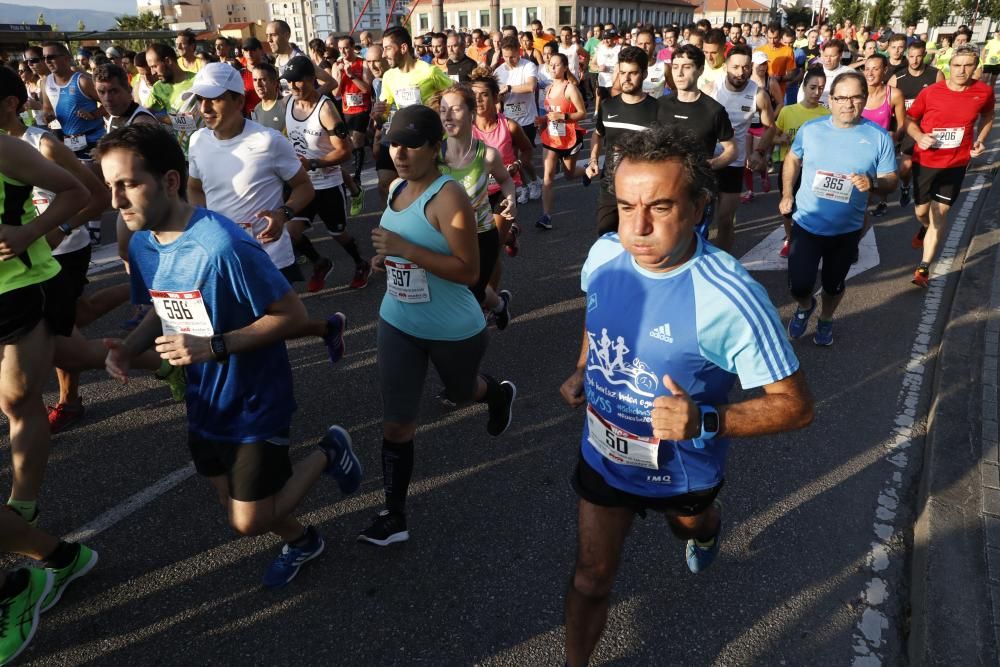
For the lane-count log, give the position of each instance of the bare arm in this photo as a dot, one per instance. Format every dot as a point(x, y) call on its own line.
point(527, 87)
point(195, 192)
point(337, 131)
point(283, 319)
point(496, 169)
point(898, 103)
point(572, 389)
point(327, 82)
point(100, 198)
point(727, 155)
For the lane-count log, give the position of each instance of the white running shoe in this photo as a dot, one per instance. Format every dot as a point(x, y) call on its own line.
point(535, 189)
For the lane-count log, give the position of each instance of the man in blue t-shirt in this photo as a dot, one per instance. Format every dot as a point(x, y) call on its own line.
point(671, 323)
point(830, 204)
point(223, 311)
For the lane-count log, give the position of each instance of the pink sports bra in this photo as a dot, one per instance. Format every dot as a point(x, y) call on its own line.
point(882, 114)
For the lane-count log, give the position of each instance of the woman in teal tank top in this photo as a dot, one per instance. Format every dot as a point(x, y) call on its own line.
point(426, 245)
point(472, 163)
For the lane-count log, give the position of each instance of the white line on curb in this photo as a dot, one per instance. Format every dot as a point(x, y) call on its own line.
point(868, 633)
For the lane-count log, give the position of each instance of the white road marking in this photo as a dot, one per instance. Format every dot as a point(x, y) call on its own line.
point(886, 548)
point(764, 255)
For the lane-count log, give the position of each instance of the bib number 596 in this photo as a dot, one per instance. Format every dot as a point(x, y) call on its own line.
point(178, 310)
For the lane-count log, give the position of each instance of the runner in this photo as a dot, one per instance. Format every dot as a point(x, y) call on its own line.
point(832, 67)
point(505, 135)
point(943, 127)
point(657, 79)
point(184, 45)
point(181, 113)
point(460, 65)
point(991, 59)
point(790, 119)
point(409, 81)
point(223, 312)
point(917, 76)
point(715, 59)
point(896, 56)
point(319, 137)
point(780, 58)
point(741, 99)
point(427, 243)
point(576, 56)
point(632, 111)
point(474, 164)
point(830, 208)
point(518, 79)
point(885, 107)
point(561, 138)
point(755, 133)
point(143, 81)
point(354, 83)
point(32, 311)
point(70, 98)
point(648, 288)
point(699, 114)
point(605, 59)
point(254, 55)
point(270, 111)
point(111, 86)
point(539, 36)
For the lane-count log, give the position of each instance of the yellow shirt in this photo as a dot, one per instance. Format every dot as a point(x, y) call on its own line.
point(791, 118)
point(991, 52)
point(189, 68)
point(711, 75)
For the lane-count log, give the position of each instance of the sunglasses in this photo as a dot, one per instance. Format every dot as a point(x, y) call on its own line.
point(49, 58)
point(33, 61)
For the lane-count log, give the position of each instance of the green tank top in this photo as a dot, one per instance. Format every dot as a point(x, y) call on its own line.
point(475, 180)
point(34, 265)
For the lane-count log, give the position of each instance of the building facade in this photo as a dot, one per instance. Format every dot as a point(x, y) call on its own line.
point(471, 14)
point(233, 11)
point(732, 11)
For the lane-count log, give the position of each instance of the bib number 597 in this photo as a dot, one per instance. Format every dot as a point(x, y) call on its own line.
point(399, 277)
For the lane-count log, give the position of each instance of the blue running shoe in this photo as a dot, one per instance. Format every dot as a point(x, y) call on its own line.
point(334, 338)
point(700, 558)
point(824, 333)
point(800, 320)
point(342, 464)
point(544, 222)
point(291, 559)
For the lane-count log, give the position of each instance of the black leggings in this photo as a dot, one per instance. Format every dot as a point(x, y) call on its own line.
point(804, 255)
point(489, 253)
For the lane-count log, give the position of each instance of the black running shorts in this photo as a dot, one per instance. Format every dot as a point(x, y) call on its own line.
point(254, 470)
point(940, 185)
point(730, 180)
point(592, 487)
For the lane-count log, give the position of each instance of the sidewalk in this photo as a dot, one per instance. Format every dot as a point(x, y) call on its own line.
point(955, 567)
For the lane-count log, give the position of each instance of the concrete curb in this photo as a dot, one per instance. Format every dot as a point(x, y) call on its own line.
point(952, 618)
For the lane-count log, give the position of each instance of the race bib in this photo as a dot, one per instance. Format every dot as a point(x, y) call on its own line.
point(41, 203)
point(513, 109)
point(406, 97)
point(354, 99)
point(454, 77)
point(182, 313)
point(949, 137)
point(833, 186)
point(557, 128)
point(406, 282)
point(908, 103)
point(183, 122)
point(76, 142)
point(620, 446)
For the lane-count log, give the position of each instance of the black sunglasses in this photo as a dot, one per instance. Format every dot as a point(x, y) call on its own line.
point(49, 58)
point(33, 61)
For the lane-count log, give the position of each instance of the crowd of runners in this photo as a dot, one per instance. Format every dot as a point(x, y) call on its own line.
point(219, 159)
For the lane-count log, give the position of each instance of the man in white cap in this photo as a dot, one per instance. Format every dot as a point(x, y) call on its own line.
point(114, 55)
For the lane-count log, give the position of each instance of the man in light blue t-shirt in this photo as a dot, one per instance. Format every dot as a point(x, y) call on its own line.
point(842, 158)
point(223, 311)
point(671, 323)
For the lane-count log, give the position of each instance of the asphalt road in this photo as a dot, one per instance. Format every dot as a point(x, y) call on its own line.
point(492, 521)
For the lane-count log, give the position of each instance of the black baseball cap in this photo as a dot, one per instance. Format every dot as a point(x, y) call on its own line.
point(298, 68)
point(415, 126)
point(251, 43)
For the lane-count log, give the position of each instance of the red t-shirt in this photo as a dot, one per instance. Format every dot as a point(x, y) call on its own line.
point(250, 98)
point(951, 116)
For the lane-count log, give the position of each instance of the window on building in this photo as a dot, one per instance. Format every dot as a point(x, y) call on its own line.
point(484, 18)
point(463, 19)
point(565, 15)
point(507, 17)
point(530, 14)
point(425, 22)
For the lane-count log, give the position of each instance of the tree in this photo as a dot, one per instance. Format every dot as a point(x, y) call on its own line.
point(144, 21)
point(881, 12)
point(41, 18)
point(938, 11)
point(913, 12)
point(81, 26)
point(797, 14)
point(842, 10)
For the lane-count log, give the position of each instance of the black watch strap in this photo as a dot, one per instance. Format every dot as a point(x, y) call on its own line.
point(287, 210)
point(219, 351)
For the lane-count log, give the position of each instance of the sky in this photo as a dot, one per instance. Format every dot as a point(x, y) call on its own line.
point(115, 6)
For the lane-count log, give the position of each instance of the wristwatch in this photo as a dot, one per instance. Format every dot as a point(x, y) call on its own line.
point(709, 422)
point(287, 210)
point(313, 165)
point(65, 228)
point(219, 350)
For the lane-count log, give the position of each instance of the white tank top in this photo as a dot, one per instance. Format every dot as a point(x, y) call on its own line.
point(79, 238)
point(572, 55)
point(110, 120)
point(312, 141)
point(741, 107)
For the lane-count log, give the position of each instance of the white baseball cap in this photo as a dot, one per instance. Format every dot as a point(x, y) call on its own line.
point(213, 80)
point(758, 58)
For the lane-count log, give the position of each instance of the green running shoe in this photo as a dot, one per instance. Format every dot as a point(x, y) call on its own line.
point(173, 376)
point(358, 202)
point(19, 614)
point(86, 559)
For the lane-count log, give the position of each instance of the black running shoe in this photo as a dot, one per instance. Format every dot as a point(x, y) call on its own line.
point(502, 319)
point(904, 196)
point(388, 528)
point(502, 411)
